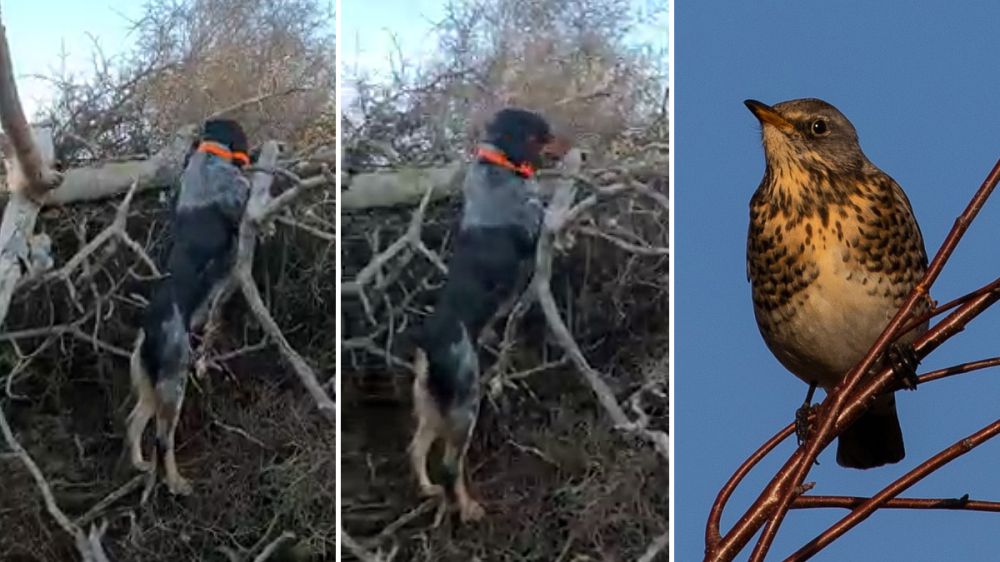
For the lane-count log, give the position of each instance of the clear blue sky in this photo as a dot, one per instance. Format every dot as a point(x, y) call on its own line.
point(38, 30)
point(922, 88)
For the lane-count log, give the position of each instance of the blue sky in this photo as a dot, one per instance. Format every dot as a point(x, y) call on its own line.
point(922, 88)
point(38, 30)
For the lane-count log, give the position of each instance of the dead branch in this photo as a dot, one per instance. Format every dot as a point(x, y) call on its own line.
point(555, 220)
point(411, 239)
point(260, 208)
point(17, 239)
point(406, 187)
point(108, 179)
point(115, 230)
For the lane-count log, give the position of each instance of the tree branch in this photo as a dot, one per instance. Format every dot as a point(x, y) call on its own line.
point(259, 208)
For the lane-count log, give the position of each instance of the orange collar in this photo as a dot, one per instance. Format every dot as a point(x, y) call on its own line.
point(500, 159)
point(216, 150)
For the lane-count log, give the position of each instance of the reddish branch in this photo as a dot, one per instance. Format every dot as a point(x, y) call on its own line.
point(869, 506)
point(849, 400)
point(852, 502)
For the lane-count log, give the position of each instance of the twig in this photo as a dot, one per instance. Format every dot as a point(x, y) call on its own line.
point(654, 549)
point(624, 244)
point(242, 433)
point(125, 489)
point(403, 520)
point(852, 502)
point(256, 100)
point(273, 546)
point(318, 233)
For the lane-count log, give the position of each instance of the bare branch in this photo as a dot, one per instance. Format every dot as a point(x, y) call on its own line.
point(258, 209)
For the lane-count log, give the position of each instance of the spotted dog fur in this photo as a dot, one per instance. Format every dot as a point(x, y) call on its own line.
point(209, 206)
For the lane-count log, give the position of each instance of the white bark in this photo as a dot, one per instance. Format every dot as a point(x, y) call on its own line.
point(114, 178)
point(404, 187)
point(18, 227)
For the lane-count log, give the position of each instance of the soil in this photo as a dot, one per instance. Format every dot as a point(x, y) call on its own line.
point(556, 481)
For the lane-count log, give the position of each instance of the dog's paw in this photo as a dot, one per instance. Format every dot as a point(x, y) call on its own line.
point(471, 511)
point(431, 491)
point(179, 487)
point(142, 465)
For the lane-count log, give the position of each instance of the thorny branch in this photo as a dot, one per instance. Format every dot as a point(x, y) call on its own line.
point(847, 402)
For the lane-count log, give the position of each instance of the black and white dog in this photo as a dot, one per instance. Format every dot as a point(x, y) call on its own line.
point(501, 218)
point(210, 204)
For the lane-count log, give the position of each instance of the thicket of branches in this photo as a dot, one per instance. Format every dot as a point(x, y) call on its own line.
point(262, 459)
point(570, 452)
point(576, 60)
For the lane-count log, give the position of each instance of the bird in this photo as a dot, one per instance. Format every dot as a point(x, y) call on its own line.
point(833, 251)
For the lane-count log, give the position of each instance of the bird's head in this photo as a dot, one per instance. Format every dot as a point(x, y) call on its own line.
point(808, 133)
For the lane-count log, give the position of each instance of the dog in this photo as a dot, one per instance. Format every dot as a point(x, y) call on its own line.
point(501, 218)
point(207, 214)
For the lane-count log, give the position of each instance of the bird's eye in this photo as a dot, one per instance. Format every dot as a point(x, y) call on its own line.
point(819, 127)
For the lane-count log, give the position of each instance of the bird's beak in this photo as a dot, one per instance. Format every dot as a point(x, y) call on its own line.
point(768, 116)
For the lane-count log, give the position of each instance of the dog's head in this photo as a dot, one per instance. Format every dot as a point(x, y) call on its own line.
point(524, 137)
point(230, 135)
point(226, 132)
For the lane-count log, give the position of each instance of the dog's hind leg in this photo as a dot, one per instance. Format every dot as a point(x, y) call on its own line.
point(428, 428)
point(145, 407)
point(170, 393)
point(458, 437)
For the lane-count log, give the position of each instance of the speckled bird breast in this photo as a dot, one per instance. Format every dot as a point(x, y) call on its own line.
point(828, 273)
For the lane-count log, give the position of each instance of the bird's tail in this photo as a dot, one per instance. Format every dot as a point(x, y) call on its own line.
point(874, 439)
